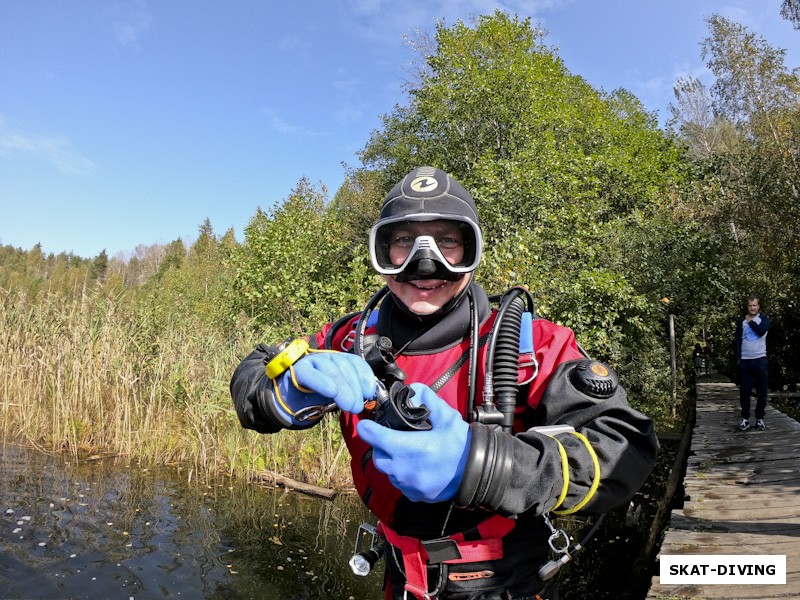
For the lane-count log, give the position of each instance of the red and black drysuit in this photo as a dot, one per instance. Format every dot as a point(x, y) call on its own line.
point(509, 539)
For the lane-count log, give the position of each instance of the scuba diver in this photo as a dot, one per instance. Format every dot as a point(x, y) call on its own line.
point(467, 424)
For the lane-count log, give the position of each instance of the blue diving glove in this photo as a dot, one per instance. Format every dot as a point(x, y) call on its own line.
point(426, 466)
point(320, 378)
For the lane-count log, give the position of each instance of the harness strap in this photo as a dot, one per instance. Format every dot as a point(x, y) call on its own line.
point(456, 549)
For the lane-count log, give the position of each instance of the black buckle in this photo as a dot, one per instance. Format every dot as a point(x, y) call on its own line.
point(441, 550)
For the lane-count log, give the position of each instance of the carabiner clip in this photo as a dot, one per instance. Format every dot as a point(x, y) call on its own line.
point(559, 533)
point(315, 412)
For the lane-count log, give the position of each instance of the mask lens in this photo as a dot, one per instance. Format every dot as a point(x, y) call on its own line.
point(396, 243)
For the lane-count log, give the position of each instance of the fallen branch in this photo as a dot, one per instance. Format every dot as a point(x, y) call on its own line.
point(292, 484)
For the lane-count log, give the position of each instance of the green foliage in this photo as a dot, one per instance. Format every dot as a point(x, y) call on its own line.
point(790, 10)
point(173, 258)
point(292, 273)
point(611, 222)
point(99, 266)
point(197, 281)
point(36, 274)
point(745, 194)
point(561, 172)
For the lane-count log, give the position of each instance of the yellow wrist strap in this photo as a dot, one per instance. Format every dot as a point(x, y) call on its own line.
point(286, 358)
point(564, 470)
point(595, 481)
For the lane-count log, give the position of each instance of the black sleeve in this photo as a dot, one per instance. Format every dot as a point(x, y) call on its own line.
point(760, 329)
point(622, 440)
point(247, 389)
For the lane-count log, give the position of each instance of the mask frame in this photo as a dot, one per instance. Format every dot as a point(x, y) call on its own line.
point(425, 247)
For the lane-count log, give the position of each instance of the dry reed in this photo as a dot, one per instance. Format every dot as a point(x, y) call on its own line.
point(103, 375)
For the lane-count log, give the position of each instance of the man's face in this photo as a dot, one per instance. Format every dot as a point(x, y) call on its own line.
point(426, 296)
point(753, 307)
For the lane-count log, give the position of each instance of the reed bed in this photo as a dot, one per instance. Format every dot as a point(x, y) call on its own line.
point(103, 375)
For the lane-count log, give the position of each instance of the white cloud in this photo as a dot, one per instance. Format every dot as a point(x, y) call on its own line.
point(347, 85)
point(696, 70)
point(130, 22)
point(347, 115)
point(281, 125)
point(372, 19)
point(290, 43)
point(56, 150)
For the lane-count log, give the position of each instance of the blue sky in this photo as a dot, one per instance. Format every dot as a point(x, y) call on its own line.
point(128, 122)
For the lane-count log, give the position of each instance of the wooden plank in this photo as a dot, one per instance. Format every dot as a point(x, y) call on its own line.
point(756, 524)
point(742, 496)
point(726, 592)
point(745, 477)
point(742, 510)
point(716, 490)
point(767, 545)
point(732, 541)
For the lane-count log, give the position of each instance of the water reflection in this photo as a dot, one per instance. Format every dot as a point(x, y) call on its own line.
point(105, 530)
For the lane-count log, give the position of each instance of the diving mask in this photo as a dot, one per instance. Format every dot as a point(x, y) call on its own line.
point(425, 246)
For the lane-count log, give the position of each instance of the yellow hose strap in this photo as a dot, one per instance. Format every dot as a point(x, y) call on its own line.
point(295, 383)
point(294, 379)
point(564, 470)
point(595, 481)
point(284, 361)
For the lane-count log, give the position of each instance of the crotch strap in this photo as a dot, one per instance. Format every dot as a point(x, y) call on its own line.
point(456, 549)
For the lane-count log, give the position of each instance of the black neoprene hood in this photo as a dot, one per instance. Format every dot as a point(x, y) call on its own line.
point(429, 190)
point(426, 194)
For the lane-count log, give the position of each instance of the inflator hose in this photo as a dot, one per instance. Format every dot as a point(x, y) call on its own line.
point(502, 358)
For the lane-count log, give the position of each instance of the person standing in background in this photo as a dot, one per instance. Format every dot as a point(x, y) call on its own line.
point(751, 360)
point(708, 352)
point(697, 357)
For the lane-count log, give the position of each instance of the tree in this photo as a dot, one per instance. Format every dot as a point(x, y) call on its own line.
point(753, 87)
point(558, 170)
point(173, 255)
point(196, 282)
point(498, 109)
point(99, 266)
point(790, 10)
point(693, 118)
point(761, 96)
point(746, 188)
point(291, 272)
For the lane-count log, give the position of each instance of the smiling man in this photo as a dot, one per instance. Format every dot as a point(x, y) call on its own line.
point(427, 243)
point(462, 496)
point(425, 296)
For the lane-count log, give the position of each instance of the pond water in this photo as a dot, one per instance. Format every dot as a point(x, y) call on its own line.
point(96, 529)
point(103, 529)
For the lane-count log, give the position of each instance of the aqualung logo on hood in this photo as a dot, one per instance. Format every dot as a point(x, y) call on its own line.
point(424, 184)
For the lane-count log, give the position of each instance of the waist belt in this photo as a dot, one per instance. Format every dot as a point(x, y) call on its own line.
point(455, 549)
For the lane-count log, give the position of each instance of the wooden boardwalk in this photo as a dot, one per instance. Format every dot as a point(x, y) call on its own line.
point(743, 495)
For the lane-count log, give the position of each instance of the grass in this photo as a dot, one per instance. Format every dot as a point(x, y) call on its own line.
point(106, 374)
point(103, 375)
